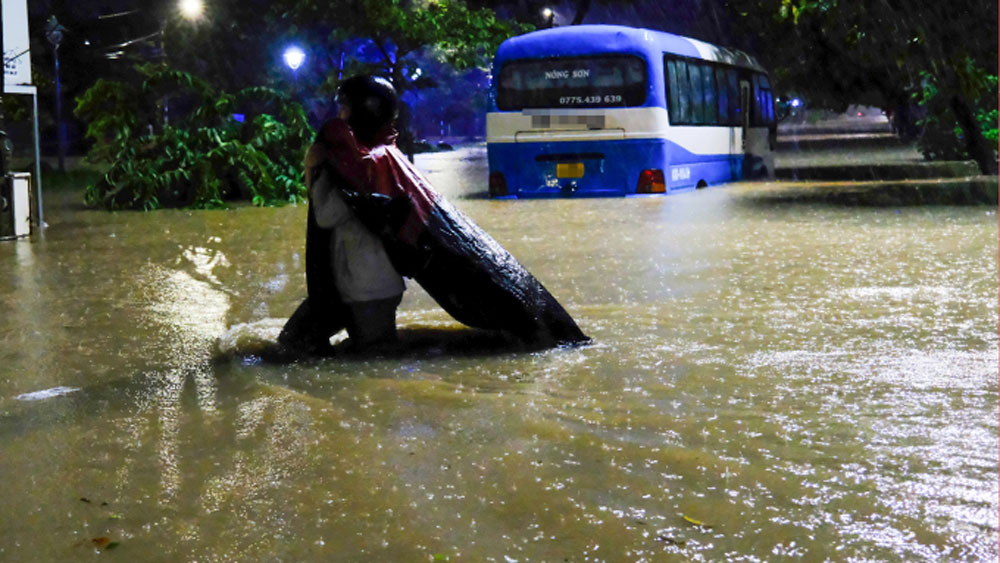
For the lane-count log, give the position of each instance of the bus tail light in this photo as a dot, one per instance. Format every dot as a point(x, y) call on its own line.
point(498, 184)
point(651, 182)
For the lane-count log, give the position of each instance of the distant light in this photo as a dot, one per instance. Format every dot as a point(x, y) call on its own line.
point(239, 117)
point(86, 41)
point(416, 74)
point(192, 9)
point(796, 102)
point(547, 13)
point(294, 57)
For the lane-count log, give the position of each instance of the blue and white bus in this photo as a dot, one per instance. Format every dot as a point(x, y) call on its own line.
point(600, 110)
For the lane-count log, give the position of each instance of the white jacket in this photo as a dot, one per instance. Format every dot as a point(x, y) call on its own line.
point(361, 268)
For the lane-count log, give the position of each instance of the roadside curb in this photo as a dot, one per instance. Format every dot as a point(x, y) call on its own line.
point(967, 190)
point(883, 172)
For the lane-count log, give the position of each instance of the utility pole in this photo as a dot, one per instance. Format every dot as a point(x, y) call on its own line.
point(54, 33)
point(4, 142)
point(3, 127)
point(5, 181)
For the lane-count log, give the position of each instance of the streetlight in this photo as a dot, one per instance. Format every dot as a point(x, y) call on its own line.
point(191, 9)
point(294, 57)
point(549, 16)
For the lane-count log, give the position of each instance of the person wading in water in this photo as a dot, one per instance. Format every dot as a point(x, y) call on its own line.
point(350, 280)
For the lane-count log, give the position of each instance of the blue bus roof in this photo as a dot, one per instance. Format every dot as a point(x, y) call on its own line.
point(581, 40)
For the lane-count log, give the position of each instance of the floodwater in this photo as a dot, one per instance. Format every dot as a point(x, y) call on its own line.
point(769, 380)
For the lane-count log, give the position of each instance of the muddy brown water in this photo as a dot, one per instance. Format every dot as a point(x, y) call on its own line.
point(767, 381)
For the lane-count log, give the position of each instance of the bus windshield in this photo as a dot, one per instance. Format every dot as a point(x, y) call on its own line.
point(606, 81)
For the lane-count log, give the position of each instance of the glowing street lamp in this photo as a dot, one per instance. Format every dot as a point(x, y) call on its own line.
point(192, 9)
point(294, 57)
point(548, 15)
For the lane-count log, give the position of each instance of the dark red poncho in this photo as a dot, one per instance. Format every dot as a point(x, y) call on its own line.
point(464, 269)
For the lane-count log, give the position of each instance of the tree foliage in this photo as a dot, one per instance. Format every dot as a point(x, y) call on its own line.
point(391, 37)
point(202, 155)
point(942, 138)
point(400, 31)
point(881, 52)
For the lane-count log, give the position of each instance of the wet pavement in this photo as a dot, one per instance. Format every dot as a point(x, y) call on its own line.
point(771, 377)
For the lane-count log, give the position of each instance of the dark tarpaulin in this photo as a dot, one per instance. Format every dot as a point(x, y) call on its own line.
point(464, 269)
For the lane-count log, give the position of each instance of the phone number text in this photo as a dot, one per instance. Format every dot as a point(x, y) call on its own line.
point(581, 100)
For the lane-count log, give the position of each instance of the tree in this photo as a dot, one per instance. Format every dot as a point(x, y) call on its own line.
point(249, 144)
point(397, 32)
point(882, 52)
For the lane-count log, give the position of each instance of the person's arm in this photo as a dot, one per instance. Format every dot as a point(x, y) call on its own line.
point(329, 208)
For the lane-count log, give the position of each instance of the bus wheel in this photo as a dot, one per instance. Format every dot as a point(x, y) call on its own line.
point(701, 184)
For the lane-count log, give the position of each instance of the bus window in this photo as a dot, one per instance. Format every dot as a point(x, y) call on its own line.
point(734, 96)
point(722, 94)
point(764, 107)
point(673, 98)
point(683, 88)
point(604, 81)
point(708, 87)
point(768, 101)
point(697, 96)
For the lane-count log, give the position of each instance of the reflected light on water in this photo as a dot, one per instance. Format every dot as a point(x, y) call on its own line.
point(191, 315)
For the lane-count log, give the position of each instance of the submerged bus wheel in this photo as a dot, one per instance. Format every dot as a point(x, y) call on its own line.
point(701, 184)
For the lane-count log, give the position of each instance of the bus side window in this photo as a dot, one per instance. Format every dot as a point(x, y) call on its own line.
point(697, 96)
point(766, 101)
point(683, 93)
point(722, 95)
point(708, 87)
point(763, 113)
point(734, 96)
point(673, 87)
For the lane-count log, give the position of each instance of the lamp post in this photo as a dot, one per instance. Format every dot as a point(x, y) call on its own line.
point(548, 16)
point(191, 10)
point(54, 34)
point(294, 57)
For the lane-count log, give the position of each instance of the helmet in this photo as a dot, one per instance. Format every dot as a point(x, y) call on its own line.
point(373, 103)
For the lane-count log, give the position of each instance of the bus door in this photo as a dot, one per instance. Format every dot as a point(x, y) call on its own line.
point(745, 111)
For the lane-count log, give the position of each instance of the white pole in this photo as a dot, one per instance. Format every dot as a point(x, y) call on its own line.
point(38, 162)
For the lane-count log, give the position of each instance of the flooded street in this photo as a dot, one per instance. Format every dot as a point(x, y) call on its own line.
point(769, 379)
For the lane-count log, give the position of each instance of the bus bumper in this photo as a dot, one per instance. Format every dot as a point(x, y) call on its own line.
point(609, 168)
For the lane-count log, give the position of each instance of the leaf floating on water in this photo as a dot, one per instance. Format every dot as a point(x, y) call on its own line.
point(105, 543)
point(696, 522)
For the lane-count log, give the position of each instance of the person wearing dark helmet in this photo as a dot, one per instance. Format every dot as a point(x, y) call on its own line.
point(350, 280)
point(374, 216)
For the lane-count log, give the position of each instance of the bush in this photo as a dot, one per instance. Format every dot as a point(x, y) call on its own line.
point(206, 155)
point(942, 138)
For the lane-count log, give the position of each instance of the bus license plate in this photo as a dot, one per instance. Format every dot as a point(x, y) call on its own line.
point(569, 170)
